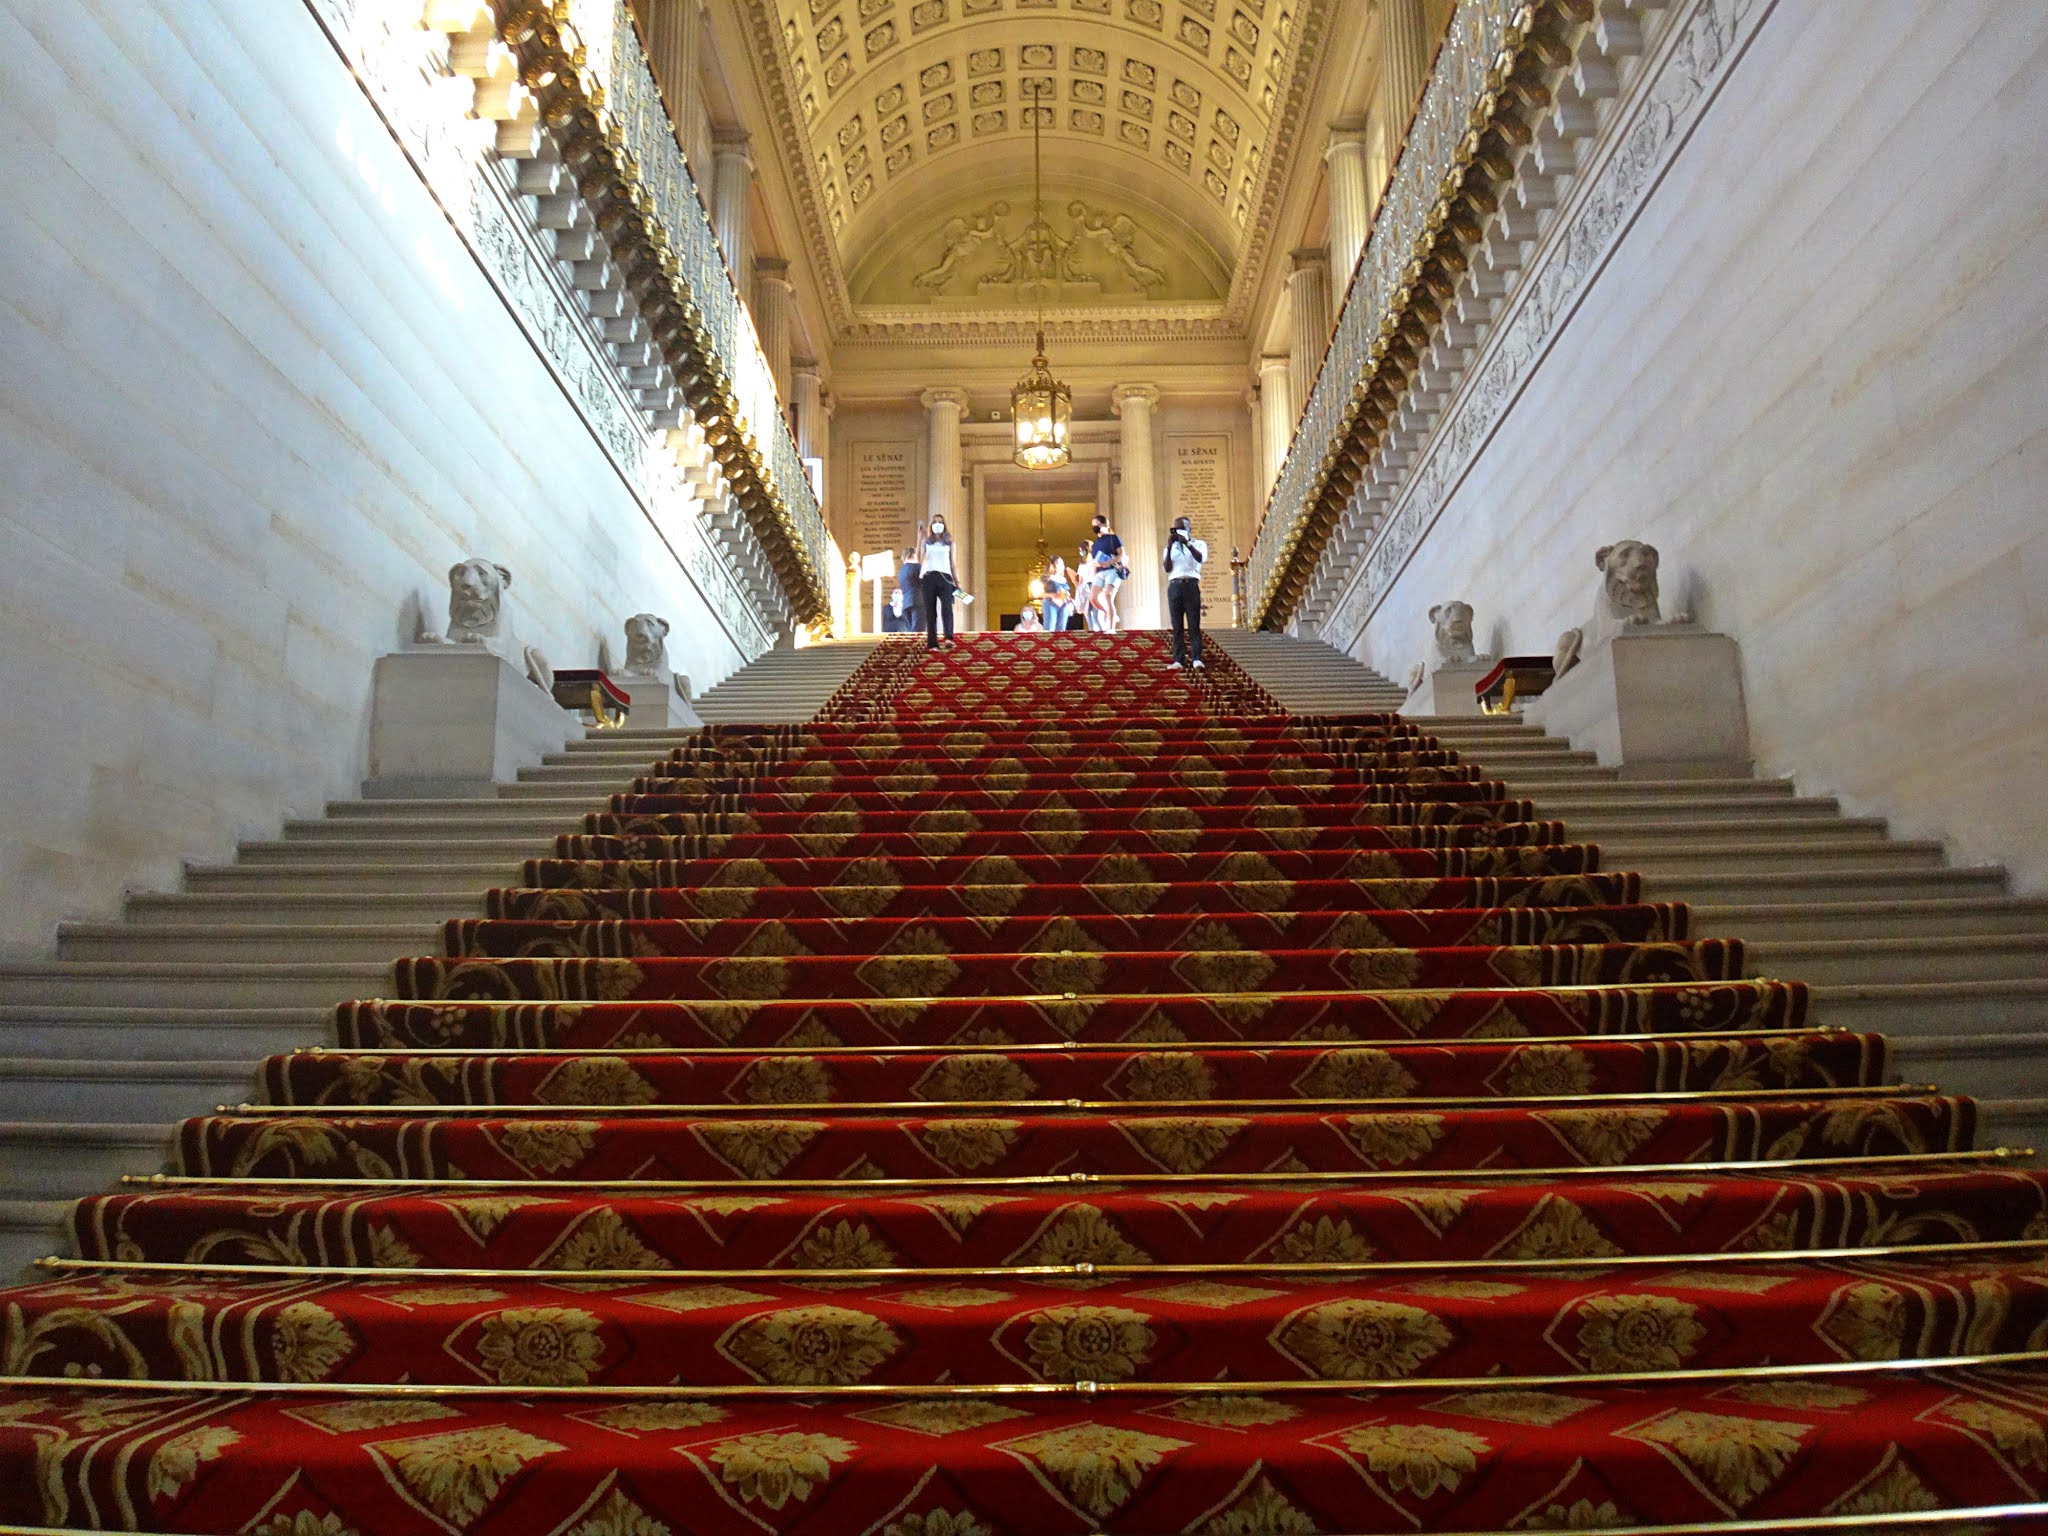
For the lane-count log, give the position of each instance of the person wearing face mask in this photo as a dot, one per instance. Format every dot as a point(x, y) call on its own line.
point(1183, 561)
point(936, 560)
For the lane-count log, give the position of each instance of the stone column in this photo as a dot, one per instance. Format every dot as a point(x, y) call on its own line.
point(1276, 417)
point(1137, 513)
point(1404, 66)
point(774, 302)
point(670, 29)
point(732, 187)
point(1308, 297)
point(944, 409)
point(1258, 424)
point(1351, 204)
point(807, 394)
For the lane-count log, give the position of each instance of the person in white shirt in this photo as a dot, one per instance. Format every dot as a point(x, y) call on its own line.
point(1183, 561)
point(936, 560)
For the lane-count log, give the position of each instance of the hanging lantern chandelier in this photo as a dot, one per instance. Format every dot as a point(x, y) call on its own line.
point(1041, 407)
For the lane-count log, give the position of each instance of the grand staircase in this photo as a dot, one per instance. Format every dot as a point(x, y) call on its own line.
point(985, 1110)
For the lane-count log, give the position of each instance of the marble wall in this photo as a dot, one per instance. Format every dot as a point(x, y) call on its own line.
point(255, 393)
point(1814, 375)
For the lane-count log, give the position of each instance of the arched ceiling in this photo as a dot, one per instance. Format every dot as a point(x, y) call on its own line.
point(903, 113)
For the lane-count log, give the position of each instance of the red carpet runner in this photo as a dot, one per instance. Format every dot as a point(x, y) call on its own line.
point(1050, 1093)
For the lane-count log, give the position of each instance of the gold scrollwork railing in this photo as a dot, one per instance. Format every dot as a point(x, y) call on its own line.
point(1491, 75)
point(584, 63)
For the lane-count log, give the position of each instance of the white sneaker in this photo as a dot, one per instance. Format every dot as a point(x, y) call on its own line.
point(1199, 667)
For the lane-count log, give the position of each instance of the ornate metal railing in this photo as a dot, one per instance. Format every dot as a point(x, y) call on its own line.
point(1433, 207)
point(584, 63)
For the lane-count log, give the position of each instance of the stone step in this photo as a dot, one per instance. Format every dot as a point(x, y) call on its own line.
point(198, 943)
point(546, 818)
point(1599, 786)
point(484, 846)
point(131, 984)
point(1927, 918)
point(568, 804)
point(1575, 805)
point(48, 1161)
point(30, 1230)
point(1724, 853)
point(218, 1037)
point(1975, 957)
point(369, 905)
point(308, 874)
point(1977, 882)
point(1985, 1066)
point(1929, 1010)
point(56, 1088)
point(2013, 1122)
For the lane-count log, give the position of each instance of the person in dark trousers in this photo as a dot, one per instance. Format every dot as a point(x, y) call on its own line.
point(1183, 561)
point(936, 558)
point(909, 583)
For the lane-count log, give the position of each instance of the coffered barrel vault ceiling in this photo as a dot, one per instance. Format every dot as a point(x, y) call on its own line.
point(1169, 127)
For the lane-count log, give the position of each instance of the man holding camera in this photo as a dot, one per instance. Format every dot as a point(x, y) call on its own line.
point(1183, 561)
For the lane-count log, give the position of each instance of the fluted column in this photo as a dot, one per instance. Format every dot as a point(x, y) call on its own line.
point(1404, 66)
point(732, 189)
point(774, 301)
point(1137, 510)
point(1258, 425)
point(1276, 417)
point(670, 28)
point(807, 394)
point(1308, 297)
point(1351, 203)
point(943, 411)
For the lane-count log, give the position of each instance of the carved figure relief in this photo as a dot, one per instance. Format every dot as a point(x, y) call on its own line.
point(1039, 255)
point(961, 236)
point(981, 252)
point(1118, 236)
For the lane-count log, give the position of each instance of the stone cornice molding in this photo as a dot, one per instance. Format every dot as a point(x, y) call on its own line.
point(1703, 41)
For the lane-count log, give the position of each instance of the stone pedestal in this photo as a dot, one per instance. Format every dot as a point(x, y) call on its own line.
point(1448, 690)
point(455, 721)
point(1657, 703)
point(656, 705)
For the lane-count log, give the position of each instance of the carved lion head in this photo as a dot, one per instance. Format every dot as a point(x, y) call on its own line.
point(476, 591)
point(646, 643)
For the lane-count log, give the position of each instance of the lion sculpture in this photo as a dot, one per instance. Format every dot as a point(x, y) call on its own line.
point(1627, 599)
point(1454, 647)
point(476, 616)
point(646, 646)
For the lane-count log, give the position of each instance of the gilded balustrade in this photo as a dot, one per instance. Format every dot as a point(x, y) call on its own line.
point(1490, 75)
point(585, 65)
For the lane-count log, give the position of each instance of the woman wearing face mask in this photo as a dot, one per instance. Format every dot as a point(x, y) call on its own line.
point(1059, 596)
point(1107, 554)
point(939, 584)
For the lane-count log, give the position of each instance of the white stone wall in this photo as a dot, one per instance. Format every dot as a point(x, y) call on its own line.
point(255, 392)
point(1815, 376)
